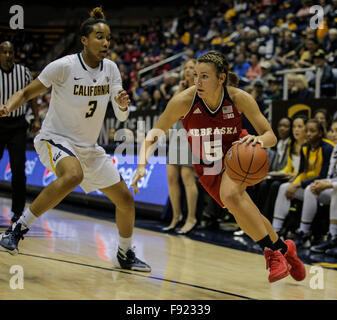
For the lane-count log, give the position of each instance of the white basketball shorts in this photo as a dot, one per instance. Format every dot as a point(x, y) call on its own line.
point(98, 168)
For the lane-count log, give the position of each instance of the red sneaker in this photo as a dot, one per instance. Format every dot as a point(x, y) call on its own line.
point(297, 267)
point(277, 264)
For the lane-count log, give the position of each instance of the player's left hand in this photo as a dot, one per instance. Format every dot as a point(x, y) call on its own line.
point(250, 138)
point(122, 98)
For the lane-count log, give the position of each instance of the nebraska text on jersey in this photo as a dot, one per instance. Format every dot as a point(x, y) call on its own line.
point(212, 131)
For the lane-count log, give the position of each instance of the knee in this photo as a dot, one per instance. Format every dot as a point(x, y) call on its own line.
point(73, 178)
point(173, 177)
point(307, 191)
point(188, 178)
point(230, 198)
point(283, 188)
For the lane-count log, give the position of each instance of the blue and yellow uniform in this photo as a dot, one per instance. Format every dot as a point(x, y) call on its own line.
point(314, 165)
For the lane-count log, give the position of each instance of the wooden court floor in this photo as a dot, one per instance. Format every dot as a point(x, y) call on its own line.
point(69, 256)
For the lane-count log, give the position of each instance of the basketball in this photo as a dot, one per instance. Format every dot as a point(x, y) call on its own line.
point(247, 165)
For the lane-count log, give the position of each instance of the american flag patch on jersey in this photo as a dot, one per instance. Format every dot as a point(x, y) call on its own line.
point(228, 115)
point(227, 109)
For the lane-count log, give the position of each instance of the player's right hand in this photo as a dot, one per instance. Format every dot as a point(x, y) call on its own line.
point(140, 173)
point(3, 111)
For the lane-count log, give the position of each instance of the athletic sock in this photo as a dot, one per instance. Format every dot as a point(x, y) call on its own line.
point(305, 227)
point(280, 245)
point(124, 243)
point(277, 224)
point(27, 218)
point(265, 243)
point(333, 229)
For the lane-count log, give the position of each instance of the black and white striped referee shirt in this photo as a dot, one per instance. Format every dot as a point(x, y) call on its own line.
point(12, 81)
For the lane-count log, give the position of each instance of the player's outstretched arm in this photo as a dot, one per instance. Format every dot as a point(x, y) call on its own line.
point(248, 106)
point(20, 97)
point(177, 107)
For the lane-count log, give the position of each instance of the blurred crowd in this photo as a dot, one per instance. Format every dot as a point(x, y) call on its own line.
point(258, 37)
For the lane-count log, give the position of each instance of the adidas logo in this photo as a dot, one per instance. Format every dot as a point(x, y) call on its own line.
point(196, 111)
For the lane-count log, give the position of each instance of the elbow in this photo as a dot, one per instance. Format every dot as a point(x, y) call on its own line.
point(274, 140)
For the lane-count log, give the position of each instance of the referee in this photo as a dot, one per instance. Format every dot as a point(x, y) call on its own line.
point(13, 129)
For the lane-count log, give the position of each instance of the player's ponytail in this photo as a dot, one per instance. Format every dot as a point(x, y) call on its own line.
point(96, 16)
point(97, 13)
point(232, 79)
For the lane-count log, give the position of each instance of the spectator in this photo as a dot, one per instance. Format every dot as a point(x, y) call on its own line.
point(166, 88)
point(327, 79)
point(322, 191)
point(314, 165)
point(266, 74)
point(274, 89)
point(298, 88)
point(202, 49)
point(212, 32)
point(144, 103)
point(332, 132)
point(159, 103)
point(330, 44)
point(178, 166)
point(305, 10)
point(323, 117)
point(267, 189)
point(307, 53)
point(290, 23)
point(266, 43)
point(241, 66)
point(254, 70)
point(286, 49)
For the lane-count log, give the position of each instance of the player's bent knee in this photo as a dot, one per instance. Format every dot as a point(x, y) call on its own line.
point(230, 199)
point(73, 178)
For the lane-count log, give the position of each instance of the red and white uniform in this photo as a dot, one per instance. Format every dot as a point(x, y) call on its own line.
point(210, 135)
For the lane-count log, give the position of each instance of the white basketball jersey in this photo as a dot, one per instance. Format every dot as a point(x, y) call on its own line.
point(79, 98)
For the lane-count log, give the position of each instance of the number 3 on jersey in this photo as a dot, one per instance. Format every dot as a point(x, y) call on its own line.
point(92, 110)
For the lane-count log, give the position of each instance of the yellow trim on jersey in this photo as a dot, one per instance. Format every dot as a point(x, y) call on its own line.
point(51, 157)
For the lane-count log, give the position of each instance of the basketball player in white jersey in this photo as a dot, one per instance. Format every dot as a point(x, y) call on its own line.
point(82, 85)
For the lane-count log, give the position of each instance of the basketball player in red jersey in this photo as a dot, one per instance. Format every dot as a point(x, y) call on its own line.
point(211, 112)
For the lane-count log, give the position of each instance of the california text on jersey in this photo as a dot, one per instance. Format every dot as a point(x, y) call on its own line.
point(89, 91)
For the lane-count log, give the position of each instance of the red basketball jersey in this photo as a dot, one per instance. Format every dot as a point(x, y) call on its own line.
point(210, 135)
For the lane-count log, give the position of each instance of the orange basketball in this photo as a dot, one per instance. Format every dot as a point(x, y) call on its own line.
point(247, 164)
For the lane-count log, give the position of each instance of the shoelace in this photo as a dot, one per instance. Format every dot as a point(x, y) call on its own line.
point(130, 254)
point(15, 236)
point(272, 261)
